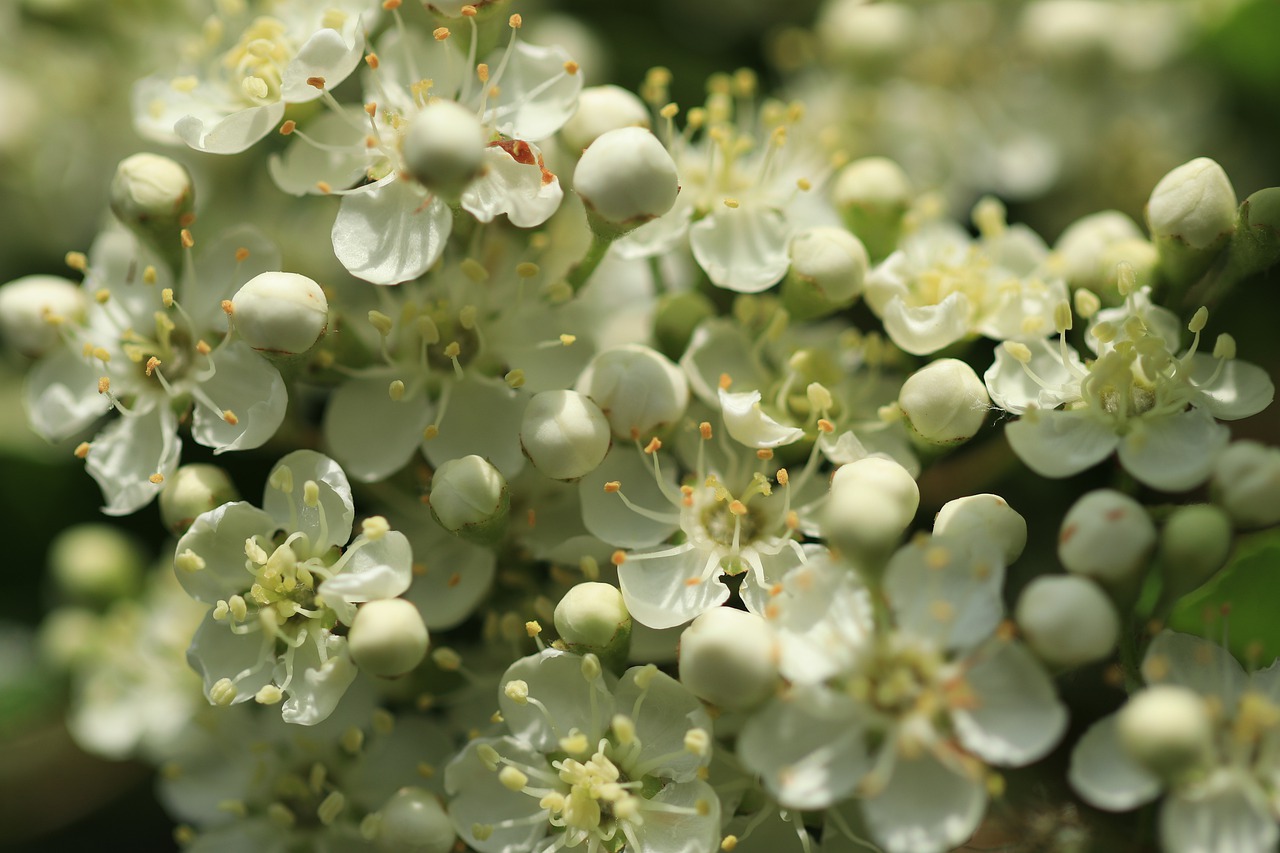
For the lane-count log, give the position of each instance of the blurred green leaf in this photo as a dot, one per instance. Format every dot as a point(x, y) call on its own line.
point(1244, 593)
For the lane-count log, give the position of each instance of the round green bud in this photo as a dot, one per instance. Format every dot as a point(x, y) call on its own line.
point(413, 821)
point(872, 502)
point(678, 314)
point(191, 490)
point(280, 312)
point(33, 307)
point(988, 517)
point(387, 637)
point(592, 617)
point(153, 196)
point(1246, 483)
point(1168, 730)
point(828, 266)
point(729, 658)
point(564, 434)
point(945, 402)
point(639, 389)
point(1194, 544)
point(1067, 620)
point(96, 563)
point(444, 146)
point(873, 194)
point(1107, 536)
point(625, 178)
point(470, 498)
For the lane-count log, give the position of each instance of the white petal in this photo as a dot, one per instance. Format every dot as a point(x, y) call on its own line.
point(456, 578)
point(326, 54)
point(126, 454)
point(1017, 717)
point(607, 517)
point(925, 329)
point(1241, 389)
point(1230, 815)
point(389, 232)
point(690, 829)
point(569, 701)
point(926, 808)
point(483, 418)
point(219, 272)
point(522, 189)
point(1012, 388)
point(658, 236)
point(823, 621)
point(302, 166)
point(217, 653)
point(335, 503)
point(743, 250)
point(478, 797)
point(766, 571)
point(719, 348)
point(230, 133)
point(536, 95)
point(369, 570)
point(666, 712)
point(317, 687)
point(1059, 444)
point(808, 746)
point(218, 537)
point(61, 393)
point(247, 385)
point(748, 423)
point(1194, 662)
point(947, 588)
point(665, 591)
point(1173, 453)
point(1102, 773)
point(372, 435)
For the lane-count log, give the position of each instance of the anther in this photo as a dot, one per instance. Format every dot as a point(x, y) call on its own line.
point(654, 445)
point(704, 430)
point(288, 127)
point(532, 628)
point(311, 493)
point(514, 378)
point(826, 426)
point(440, 33)
point(571, 67)
point(725, 381)
point(316, 83)
point(380, 321)
point(1224, 347)
point(78, 261)
point(187, 240)
point(104, 384)
point(568, 340)
point(82, 450)
point(230, 417)
point(618, 557)
point(1018, 351)
point(613, 486)
point(227, 307)
point(1198, 320)
point(515, 22)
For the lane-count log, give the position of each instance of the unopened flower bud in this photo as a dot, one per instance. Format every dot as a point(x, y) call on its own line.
point(1194, 544)
point(625, 178)
point(592, 617)
point(153, 196)
point(1246, 483)
point(564, 434)
point(191, 490)
point(945, 402)
point(280, 312)
point(639, 389)
point(444, 146)
point(470, 499)
point(872, 502)
point(678, 314)
point(873, 194)
point(1107, 536)
point(988, 517)
point(601, 109)
point(1136, 257)
point(1067, 620)
point(1255, 245)
point(1081, 245)
point(413, 821)
point(387, 637)
point(729, 658)
point(1192, 214)
point(861, 34)
point(96, 563)
point(1167, 729)
point(828, 266)
point(32, 307)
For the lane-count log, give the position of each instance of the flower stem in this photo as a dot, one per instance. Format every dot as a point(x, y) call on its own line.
point(583, 269)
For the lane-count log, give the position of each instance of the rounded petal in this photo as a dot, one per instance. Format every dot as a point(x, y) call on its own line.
point(1060, 444)
point(1016, 717)
point(389, 232)
point(719, 348)
point(694, 826)
point(522, 189)
point(61, 394)
point(327, 55)
point(302, 166)
point(1194, 662)
point(479, 798)
point(215, 132)
point(456, 576)
point(1012, 388)
point(1173, 453)
point(483, 419)
point(328, 523)
point(809, 747)
point(370, 569)
point(129, 453)
point(608, 517)
point(1102, 773)
point(748, 423)
point(925, 329)
point(1230, 814)
point(823, 620)
point(218, 537)
point(925, 808)
point(372, 435)
point(317, 686)
point(566, 700)
point(947, 588)
point(217, 653)
point(1236, 391)
point(536, 96)
point(248, 386)
point(668, 590)
point(663, 712)
point(743, 250)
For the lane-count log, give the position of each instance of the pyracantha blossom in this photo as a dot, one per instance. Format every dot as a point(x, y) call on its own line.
point(592, 763)
point(1137, 397)
point(144, 349)
point(749, 179)
point(907, 710)
point(941, 287)
point(239, 77)
point(1215, 748)
point(405, 166)
point(280, 582)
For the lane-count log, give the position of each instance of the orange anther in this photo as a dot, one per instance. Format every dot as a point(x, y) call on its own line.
point(704, 429)
point(826, 426)
point(725, 381)
point(316, 83)
point(764, 453)
point(187, 240)
point(242, 255)
point(782, 477)
point(288, 127)
point(156, 478)
point(654, 445)
point(613, 486)
point(371, 60)
point(227, 307)
point(82, 450)
point(618, 558)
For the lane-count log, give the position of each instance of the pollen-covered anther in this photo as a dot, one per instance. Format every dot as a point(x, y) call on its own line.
point(618, 557)
point(453, 350)
point(732, 203)
point(186, 239)
point(223, 692)
point(82, 450)
point(571, 68)
point(227, 307)
point(440, 33)
point(375, 527)
point(430, 432)
point(288, 127)
point(826, 426)
point(102, 296)
point(654, 445)
point(230, 417)
point(725, 381)
point(316, 82)
point(268, 694)
point(391, 5)
point(737, 507)
point(729, 843)
point(77, 261)
point(324, 187)
point(517, 690)
point(764, 453)
point(782, 477)
point(104, 385)
point(203, 348)
point(613, 486)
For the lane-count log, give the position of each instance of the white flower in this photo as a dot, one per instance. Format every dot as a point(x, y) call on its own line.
point(1137, 397)
point(235, 89)
point(279, 581)
point(906, 713)
point(1219, 798)
point(590, 763)
point(145, 349)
